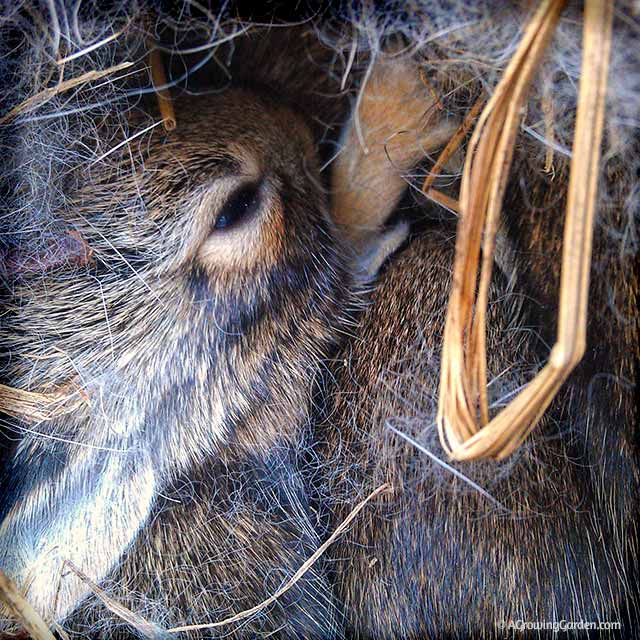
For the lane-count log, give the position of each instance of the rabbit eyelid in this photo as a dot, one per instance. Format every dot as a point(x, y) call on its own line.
point(241, 205)
point(239, 220)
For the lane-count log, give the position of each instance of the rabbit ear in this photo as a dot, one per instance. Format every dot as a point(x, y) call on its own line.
point(393, 125)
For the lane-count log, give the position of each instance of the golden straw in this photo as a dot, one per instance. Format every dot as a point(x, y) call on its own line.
point(46, 94)
point(34, 406)
point(163, 96)
point(463, 384)
point(28, 617)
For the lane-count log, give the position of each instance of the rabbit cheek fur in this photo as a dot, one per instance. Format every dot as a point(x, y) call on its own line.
point(175, 333)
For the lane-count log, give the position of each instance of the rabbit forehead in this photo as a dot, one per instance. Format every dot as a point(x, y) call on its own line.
point(246, 122)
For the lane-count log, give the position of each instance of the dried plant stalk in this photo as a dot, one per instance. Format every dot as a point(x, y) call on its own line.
point(45, 95)
point(434, 94)
point(547, 109)
point(453, 144)
point(463, 388)
point(163, 96)
point(297, 575)
point(443, 199)
point(33, 406)
point(24, 613)
point(149, 630)
point(143, 626)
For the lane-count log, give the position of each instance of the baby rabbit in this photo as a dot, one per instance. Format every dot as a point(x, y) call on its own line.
point(180, 474)
point(551, 534)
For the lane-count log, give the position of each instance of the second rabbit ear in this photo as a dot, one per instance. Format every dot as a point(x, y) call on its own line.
point(394, 124)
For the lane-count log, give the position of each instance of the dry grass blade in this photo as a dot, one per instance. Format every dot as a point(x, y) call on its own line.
point(443, 199)
point(296, 576)
point(453, 144)
point(463, 389)
point(25, 614)
point(163, 96)
point(146, 628)
point(45, 95)
point(33, 406)
point(451, 147)
point(547, 109)
point(434, 94)
point(149, 630)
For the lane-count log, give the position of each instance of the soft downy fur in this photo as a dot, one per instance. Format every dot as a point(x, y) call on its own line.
point(228, 525)
point(179, 352)
point(188, 356)
point(548, 535)
point(172, 333)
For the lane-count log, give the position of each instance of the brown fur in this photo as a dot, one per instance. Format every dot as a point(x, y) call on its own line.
point(217, 346)
point(176, 345)
point(437, 559)
point(199, 351)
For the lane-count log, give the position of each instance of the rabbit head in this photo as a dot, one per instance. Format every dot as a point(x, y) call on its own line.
point(214, 285)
